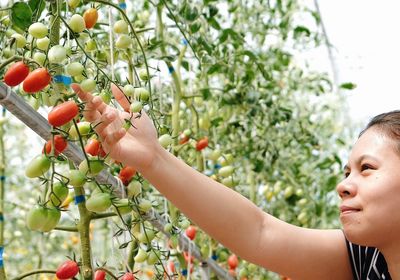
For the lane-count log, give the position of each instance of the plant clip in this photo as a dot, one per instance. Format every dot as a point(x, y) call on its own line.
point(1, 217)
point(122, 5)
point(184, 272)
point(2, 178)
point(184, 42)
point(66, 80)
point(171, 69)
point(79, 199)
point(1, 256)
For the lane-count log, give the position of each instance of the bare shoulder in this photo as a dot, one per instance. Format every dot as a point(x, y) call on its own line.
point(301, 253)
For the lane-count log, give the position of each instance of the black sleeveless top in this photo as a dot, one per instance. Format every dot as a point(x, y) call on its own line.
point(367, 263)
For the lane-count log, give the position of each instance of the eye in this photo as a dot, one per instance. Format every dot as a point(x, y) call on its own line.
point(346, 174)
point(366, 166)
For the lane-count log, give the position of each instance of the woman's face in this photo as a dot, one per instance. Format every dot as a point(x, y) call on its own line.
point(370, 193)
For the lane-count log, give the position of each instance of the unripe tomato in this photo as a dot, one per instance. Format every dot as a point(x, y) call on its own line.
point(95, 165)
point(191, 232)
point(76, 178)
point(74, 3)
point(38, 30)
point(228, 181)
point(53, 217)
point(77, 23)
point(141, 256)
point(36, 218)
point(90, 16)
point(143, 75)
point(202, 144)
point(59, 145)
point(233, 261)
point(67, 269)
point(63, 113)
point(165, 140)
point(152, 258)
point(122, 205)
point(74, 69)
point(129, 90)
point(57, 54)
point(128, 276)
point(144, 205)
point(98, 202)
point(92, 147)
point(20, 40)
point(88, 85)
point(136, 106)
point(90, 45)
point(39, 57)
point(59, 194)
point(37, 166)
point(43, 43)
point(16, 74)
point(123, 42)
point(120, 27)
point(134, 188)
point(226, 171)
point(142, 93)
point(84, 129)
point(100, 275)
point(37, 80)
point(126, 174)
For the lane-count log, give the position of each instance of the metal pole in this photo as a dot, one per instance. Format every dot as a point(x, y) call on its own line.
point(24, 112)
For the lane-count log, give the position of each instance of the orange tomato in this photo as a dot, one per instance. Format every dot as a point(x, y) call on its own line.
point(90, 16)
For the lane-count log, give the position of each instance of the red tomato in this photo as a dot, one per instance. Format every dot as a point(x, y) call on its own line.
point(37, 80)
point(126, 174)
point(90, 16)
point(59, 143)
point(171, 267)
point(186, 256)
point(67, 269)
point(183, 138)
point(16, 74)
point(93, 147)
point(102, 153)
point(100, 275)
point(202, 144)
point(191, 232)
point(128, 276)
point(233, 261)
point(63, 113)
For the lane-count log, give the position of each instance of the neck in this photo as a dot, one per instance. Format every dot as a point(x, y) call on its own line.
point(392, 257)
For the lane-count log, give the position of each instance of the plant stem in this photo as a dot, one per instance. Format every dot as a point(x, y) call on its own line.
point(33, 272)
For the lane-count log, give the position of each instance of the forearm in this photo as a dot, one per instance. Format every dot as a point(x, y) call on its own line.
point(223, 213)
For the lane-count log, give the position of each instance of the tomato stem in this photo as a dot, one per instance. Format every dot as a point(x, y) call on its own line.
point(33, 272)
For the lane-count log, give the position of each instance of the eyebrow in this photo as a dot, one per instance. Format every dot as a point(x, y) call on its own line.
point(360, 159)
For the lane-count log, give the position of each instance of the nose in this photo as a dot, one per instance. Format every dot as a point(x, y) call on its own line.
point(346, 188)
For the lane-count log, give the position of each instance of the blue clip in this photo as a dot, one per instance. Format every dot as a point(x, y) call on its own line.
point(217, 166)
point(214, 257)
point(79, 199)
point(66, 80)
point(184, 42)
point(171, 69)
point(4, 110)
point(1, 217)
point(122, 5)
point(184, 272)
point(2, 178)
point(1, 256)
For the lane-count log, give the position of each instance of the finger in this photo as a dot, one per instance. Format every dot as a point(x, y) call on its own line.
point(104, 121)
point(120, 97)
point(84, 96)
point(112, 138)
point(91, 112)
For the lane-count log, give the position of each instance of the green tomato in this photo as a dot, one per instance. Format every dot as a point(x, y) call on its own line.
point(88, 85)
point(123, 42)
point(96, 166)
point(57, 54)
point(168, 227)
point(38, 30)
point(141, 256)
point(134, 188)
point(142, 93)
point(37, 166)
point(226, 171)
point(39, 57)
point(214, 155)
point(123, 206)
point(99, 202)
point(143, 75)
point(43, 43)
point(74, 69)
point(84, 129)
point(165, 140)
point(77, 23)
point(59, 194)
point(136, 106)
point(129, 90)
point(228, 181)
point(90, 45)
point(73, 3)
point(152, 257)
point(19, 39)
point(36, 218)
point(146, 237)
point(184, 224)
point(76, 178)
point(145, 205)
point(53, 217)
point(105, 95)
point(121, 27)
point(7, 52)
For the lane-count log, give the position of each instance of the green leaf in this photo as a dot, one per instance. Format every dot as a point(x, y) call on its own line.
point(214, 23)
point(348, 86)
point(37, 6)
point(185, 65)
point(206, 93)
point(300, 30)
point(194, 27)
point(21, 15)
point(214, 68)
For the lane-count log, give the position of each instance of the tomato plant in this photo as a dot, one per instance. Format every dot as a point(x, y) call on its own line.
point(16, 74)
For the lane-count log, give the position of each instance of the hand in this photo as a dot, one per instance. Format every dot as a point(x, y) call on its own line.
point(136, 146)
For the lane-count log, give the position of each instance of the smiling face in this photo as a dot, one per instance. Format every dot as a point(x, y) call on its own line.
point(370, 193)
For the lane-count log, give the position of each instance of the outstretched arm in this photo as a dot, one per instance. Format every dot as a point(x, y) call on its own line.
point(224, 214)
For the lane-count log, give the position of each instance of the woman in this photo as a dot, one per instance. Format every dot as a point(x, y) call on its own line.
point(370, 196)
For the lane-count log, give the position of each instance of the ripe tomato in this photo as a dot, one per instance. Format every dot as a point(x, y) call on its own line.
point(67, 269)
point(126, 174)
point(183, 138)
point(128, 276)
point(186, 256)
point(63, 113)
point(59, 143)
point(92, 147)
point(100, 275)
point(191, 232)
point(202, 144)
point(16, 74)
point(37, 80)
point(233, 261)
point(90, 16)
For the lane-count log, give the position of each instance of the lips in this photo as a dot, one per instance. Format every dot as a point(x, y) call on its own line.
point(344, 209)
